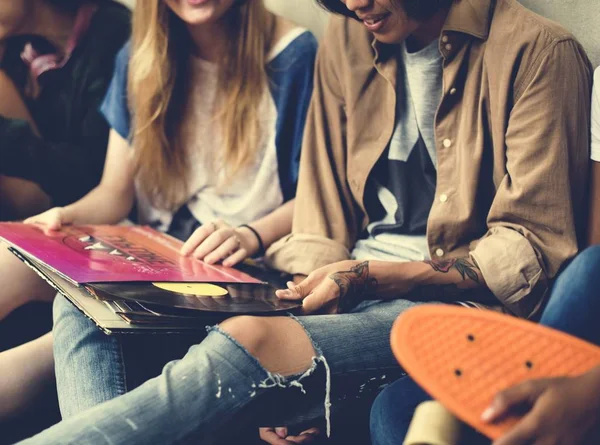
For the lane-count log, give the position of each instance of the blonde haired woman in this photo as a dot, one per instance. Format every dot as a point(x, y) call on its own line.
point(207, 109)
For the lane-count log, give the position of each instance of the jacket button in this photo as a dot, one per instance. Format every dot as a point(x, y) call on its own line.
point(447, 143)
point(443, 198)
point(452, 91)
point(440, 253)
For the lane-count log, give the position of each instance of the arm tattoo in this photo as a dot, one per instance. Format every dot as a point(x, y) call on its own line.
point(465, 268)
point(354, 284)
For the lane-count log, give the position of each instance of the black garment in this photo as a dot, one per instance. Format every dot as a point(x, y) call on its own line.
point(413, 185)
point(68, 160)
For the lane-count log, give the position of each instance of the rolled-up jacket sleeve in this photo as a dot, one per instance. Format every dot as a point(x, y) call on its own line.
point(533, 220)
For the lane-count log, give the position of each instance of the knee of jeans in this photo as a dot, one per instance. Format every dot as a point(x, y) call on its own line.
point(250, 332)
point(589, 258)
point(61, 308)
point(582, 273)
point(67, 319)
point(384, 427)
point(393, 409)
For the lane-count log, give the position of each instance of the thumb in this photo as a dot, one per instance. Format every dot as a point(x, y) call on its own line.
point(55, 224)
point(298, 291)
point(319, 299)
point(522, 396)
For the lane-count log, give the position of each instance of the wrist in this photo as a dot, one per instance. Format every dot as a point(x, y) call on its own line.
point(253, 240)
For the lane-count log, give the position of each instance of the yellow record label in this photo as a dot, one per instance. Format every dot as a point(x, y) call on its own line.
point(204, 289)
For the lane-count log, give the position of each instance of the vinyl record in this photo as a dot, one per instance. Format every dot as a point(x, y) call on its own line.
point(223, 298)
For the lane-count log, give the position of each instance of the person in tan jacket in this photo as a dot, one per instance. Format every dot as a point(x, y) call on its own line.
point(553, 410)
point(445, 158)
point(509, 148)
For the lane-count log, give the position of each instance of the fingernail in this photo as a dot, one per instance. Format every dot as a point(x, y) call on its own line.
point(488, 414)
point(284, 293)
point(290, 284)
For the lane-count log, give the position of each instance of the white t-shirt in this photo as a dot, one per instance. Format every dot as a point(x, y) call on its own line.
point(596, 117)
point(251, 194)
point(246, 197)
point(402, 187)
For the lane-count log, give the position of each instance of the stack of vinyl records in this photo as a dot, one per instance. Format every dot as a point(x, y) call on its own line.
point(132, 279)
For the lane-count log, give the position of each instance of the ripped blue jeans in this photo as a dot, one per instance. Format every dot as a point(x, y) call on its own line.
point(218, 388)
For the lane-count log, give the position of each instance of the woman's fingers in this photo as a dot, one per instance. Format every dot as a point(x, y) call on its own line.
point(199, 235)
point(216, 242)
point(224, 250)
point(211, 243)
point(235, 258)
point(50, 220)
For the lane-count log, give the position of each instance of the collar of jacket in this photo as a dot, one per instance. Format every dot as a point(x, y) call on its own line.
point(468, 17)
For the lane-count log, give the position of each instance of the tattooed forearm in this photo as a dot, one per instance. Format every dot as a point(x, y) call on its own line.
point(437, 292)
point(466, 269)
point(354, 285)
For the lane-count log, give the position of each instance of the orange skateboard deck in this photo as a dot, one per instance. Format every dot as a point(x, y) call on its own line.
point(464, 357)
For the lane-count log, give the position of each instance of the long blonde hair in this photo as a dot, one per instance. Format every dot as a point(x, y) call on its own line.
point(157, 88)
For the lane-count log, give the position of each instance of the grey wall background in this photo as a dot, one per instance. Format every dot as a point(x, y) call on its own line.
point(581, 17)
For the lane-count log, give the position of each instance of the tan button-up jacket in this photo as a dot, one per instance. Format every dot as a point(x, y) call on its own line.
point(512, 140)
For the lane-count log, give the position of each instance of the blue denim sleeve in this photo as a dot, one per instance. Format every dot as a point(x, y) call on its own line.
point(291, 85)
point(115, 106)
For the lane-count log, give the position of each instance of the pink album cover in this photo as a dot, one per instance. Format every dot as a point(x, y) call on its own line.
point(103, 254)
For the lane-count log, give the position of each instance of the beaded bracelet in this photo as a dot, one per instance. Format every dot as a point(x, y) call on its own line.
point(261, 245)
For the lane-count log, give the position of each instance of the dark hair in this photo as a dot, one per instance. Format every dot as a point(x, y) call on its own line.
point(415, 9)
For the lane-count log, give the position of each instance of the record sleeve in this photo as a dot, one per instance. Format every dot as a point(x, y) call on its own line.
point(114, 254)
point(237, 298)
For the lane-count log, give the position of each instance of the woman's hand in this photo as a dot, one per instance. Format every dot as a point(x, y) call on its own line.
point(51, 220)
point(279, 436)
point(333, 289)
point(219, 242)
point(562, 411)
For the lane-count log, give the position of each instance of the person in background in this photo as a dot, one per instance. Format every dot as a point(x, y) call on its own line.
point(564, 410)
point(206, 108)
point(424, 168)
point(56, 63)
